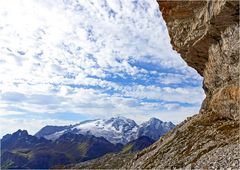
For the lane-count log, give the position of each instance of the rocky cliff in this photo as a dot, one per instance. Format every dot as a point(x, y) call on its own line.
point(206, 34)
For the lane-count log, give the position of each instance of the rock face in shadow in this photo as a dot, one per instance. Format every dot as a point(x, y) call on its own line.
point(206, 34)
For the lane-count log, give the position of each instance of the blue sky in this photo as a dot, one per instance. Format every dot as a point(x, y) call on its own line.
point(63, 61)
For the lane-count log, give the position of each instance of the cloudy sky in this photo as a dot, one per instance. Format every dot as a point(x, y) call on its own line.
point(63, 61)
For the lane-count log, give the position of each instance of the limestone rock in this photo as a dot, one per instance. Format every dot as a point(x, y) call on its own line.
point(221, 75)
point(195, 25)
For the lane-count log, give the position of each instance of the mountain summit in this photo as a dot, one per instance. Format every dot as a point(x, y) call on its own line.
point(154, 128)
point(116, 129)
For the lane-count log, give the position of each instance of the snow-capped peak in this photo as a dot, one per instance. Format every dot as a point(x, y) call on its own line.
point(116, 129)
point(153, 119)
point(121, 124)
point(154, 128)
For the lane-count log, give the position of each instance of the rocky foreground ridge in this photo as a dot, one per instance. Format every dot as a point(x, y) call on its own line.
point(206, 34)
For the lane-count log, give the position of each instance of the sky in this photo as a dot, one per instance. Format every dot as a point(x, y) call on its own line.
point(64, 61)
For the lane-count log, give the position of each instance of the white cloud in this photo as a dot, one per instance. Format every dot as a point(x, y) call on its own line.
point(10, 125)
point(172, 116)
point(192, 95)
point(99, 58)
point(56, 38)
point(176, 78)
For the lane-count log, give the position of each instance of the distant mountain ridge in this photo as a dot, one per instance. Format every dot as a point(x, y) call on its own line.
point(137, 144)
point(23, 151)
point(62, 145)
point(116, 129)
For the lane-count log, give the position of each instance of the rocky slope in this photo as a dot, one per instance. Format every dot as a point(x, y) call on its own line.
point(109, 161)
point(206, 34)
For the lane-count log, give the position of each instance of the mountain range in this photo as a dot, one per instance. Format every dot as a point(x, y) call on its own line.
point(62, 145)
point(21, 150)
point(116, 129)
